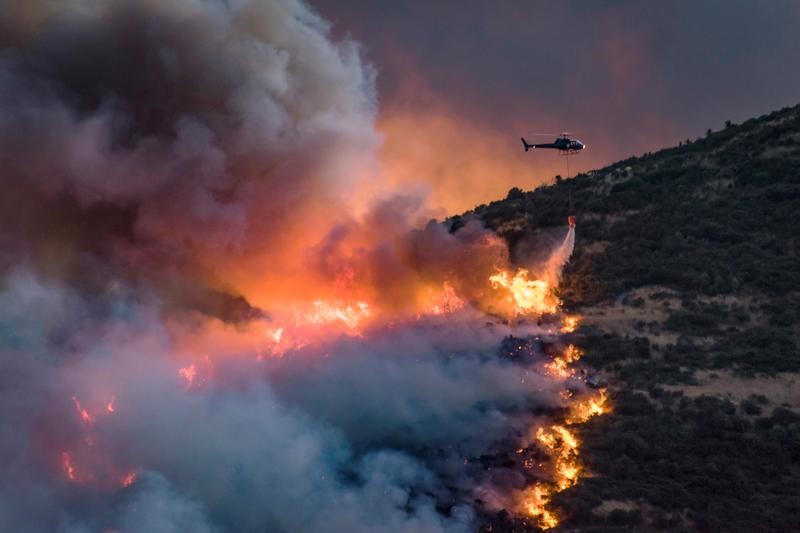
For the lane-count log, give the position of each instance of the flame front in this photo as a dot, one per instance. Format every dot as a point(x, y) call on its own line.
point(346, 311)
point(528, 296)
point(560, 443)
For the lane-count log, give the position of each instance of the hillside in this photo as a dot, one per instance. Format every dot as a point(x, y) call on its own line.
point(686, 270)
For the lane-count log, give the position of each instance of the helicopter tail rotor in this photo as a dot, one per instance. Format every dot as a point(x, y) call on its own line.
point(526, 145)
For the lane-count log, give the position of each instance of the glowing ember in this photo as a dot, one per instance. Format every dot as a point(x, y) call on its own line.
point(188, 373)
point(197, 373)
point(528, 296)
point(110, 406)
point(128, 480)
point(69, 469)
point(82, 413)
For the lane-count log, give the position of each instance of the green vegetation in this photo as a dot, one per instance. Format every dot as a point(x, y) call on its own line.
point(698, 464)
point(713, 225)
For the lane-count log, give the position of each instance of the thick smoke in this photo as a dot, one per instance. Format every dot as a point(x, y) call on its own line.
point(149, 139)
point(174, 174)
point(354, 435)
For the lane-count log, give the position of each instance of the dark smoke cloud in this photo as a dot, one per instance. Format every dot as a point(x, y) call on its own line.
point(149, 138)
point(157, 158)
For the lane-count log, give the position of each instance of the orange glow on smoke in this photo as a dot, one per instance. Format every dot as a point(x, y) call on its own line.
point(443, 303)
point(462, 159)
point(348, 314)
point(188, 373)
point(348, 297)
point(82, 413)
point(196, 374)
point(89, 460)
point(128, 480)
point(69, 469)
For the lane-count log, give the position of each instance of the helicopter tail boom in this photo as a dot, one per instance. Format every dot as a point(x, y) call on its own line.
point(526, 145)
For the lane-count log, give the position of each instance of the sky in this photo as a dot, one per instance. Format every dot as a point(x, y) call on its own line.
point(460, 81)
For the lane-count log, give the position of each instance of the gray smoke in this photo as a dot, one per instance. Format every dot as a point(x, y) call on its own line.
point(145, 139)
point(359, 435)
point(159, 156)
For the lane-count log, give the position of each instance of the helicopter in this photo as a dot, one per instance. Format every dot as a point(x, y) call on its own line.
point(563, 143)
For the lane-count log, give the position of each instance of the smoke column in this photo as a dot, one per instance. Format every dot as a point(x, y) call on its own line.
point(214, 315)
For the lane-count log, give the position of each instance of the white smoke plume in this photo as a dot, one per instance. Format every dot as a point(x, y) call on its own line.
point(559, 257)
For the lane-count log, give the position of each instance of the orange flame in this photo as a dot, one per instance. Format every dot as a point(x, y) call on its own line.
point(527, 296)
point(535, 502)
point(570, 324)
point(561, 444)
point(559, 366)
point(586, 409)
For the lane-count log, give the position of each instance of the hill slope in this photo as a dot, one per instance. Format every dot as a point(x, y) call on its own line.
point(686, 269)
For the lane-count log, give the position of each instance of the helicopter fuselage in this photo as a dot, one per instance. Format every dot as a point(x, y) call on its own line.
point(563, 144)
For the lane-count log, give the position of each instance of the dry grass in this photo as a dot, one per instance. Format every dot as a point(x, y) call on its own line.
point(621, 319)
point(782, 389)
point(605, 508)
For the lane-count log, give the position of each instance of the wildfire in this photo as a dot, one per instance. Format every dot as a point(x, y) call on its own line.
point(310, 323)
point(445, 303)
point(195, 376)
point(586, 409)
point(90, 461)
point(536, 500)
point(570, 324)
point(323, 312)
point(528, 296)
point(82, 413)
point(561, 444)
point(128, 480)
point(275, 335)
point(307, 323)
point(188, 373)
point(559, 366)
point(69, 469)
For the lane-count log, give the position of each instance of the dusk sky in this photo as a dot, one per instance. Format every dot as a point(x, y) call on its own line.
point(459, 82)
